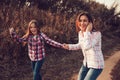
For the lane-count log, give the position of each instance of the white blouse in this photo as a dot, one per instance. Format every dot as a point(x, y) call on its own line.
point(91, 48)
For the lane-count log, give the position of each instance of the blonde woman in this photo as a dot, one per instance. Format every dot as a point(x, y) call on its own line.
point(90, 43)
point(36, 51)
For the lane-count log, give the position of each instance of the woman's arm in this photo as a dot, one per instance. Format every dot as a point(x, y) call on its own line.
point(91, 39)
point(75, 46)
point(50, 41)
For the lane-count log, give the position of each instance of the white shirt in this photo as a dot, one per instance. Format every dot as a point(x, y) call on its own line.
point(91, 48)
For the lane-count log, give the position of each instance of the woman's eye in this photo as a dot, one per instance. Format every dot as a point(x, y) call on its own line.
point(85, 20)
point(80, 20)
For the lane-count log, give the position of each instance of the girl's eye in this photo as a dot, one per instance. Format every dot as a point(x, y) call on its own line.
point(32, 27)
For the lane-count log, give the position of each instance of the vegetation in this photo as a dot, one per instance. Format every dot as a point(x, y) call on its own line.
point(57, 20)
point(115, 72)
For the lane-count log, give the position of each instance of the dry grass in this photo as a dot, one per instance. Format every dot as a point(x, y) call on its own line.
point(59, 64)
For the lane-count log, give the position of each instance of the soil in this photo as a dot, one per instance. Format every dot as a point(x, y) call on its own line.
point(109, 65)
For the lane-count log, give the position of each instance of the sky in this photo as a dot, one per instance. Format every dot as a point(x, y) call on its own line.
point(109, 3)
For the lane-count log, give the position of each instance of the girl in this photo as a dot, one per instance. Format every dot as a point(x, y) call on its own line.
point(90, 43)
point(36, 51)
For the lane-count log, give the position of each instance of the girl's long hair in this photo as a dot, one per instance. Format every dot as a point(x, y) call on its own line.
point(28, 32)
point(78, 19)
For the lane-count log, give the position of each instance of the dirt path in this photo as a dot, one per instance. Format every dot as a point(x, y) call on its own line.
point(109, 65)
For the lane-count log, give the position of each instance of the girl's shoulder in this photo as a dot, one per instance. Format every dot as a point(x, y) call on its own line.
point(41, 34)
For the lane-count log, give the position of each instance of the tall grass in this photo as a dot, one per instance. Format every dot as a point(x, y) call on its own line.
point(59, 24)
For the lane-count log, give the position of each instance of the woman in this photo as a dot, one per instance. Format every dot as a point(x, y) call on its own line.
point(90, 43)
point(35, 40)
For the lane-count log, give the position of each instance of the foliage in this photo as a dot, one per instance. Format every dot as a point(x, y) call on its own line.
point(115, 72)
point(57, 20)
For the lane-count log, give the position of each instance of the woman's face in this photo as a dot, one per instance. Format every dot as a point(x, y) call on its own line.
point(83, 23)
point(33, 29)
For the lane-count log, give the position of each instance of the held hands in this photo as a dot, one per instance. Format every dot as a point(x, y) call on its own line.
point(11, 30)
point(89, 27)
point(65, 46)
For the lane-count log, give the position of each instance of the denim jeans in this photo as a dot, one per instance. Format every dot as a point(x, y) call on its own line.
point(36, 66)
point(86, 73)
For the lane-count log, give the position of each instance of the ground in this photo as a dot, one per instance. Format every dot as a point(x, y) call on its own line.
point(109, 65)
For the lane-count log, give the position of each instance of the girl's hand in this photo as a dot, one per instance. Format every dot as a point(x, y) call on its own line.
point(65, 46)
point(89, 27)
point(11, 30)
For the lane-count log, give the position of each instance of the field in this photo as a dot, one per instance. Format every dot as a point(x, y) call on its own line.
point(58, 22)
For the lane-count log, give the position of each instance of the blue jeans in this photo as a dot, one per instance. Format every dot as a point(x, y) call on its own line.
point(36, 66)
point(86, 73)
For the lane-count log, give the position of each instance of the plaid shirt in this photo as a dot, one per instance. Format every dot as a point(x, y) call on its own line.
point(91, 48)
point(36, 49)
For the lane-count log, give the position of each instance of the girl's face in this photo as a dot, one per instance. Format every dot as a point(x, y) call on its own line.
point(33, 29)
point(83, 23)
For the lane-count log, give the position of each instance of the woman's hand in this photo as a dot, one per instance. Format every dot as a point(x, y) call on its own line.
point(89, 27)
point(11, 30)
point(65, 46)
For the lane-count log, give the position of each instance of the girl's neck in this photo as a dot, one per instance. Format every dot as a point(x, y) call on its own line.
point(35, 34)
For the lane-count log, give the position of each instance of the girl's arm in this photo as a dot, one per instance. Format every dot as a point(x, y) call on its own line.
point(50, 41)
point(15, 36)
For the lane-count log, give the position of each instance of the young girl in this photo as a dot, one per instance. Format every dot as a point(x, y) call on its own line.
point(90, 43)
point(36, 50)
